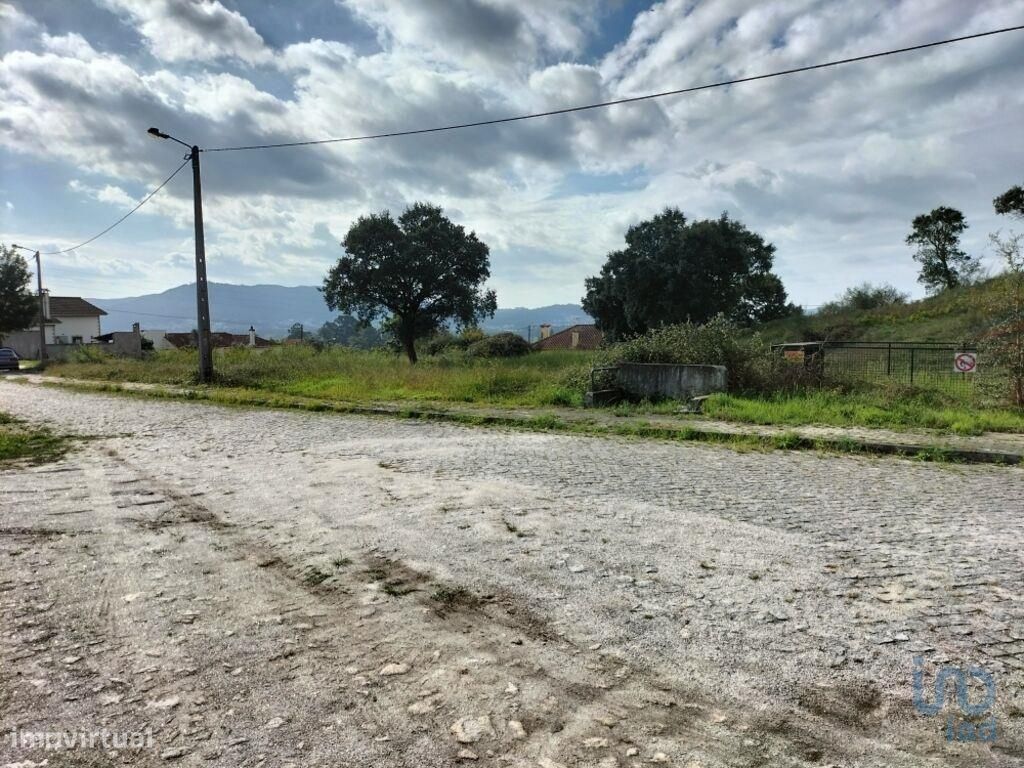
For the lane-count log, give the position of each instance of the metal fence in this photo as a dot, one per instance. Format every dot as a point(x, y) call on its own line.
point(927, 364)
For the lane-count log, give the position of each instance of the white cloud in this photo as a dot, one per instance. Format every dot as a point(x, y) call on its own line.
point(203, 30)
point(831, 165)
point(72, 46)
point(506, 33)
point(17, 29)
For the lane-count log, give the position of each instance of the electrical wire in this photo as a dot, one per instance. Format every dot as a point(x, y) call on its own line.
point(145, 200)
point(549, 113)
point(614, 102)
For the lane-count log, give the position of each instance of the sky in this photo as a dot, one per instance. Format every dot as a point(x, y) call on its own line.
point(831, 166)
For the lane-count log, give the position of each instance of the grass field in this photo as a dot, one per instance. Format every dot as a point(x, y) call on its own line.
point(20, 442)
point(549, 379)
point(961, 314)
point(880, 409)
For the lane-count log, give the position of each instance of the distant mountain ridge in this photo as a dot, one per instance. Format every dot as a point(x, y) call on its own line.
point(273, 309)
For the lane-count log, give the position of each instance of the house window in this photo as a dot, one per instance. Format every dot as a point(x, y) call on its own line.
point(76, 339)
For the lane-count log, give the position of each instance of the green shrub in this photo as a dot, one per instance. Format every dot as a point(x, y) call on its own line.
point(88, 353)
point(444, 342)
point(500, 345)
point(745, 356)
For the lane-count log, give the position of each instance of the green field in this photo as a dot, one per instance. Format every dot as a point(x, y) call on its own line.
point(560, 379)
point(549, 378)
point(878, 408)
point(541, 380)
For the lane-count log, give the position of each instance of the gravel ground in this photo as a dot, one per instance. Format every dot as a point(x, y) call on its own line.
point(254, 587)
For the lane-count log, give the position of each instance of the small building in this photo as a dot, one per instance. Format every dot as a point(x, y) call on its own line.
point(122, 343)
point(67, 320)
point(579, 337)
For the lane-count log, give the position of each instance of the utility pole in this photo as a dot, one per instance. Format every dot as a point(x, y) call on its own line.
point(42, 300)
point(42, 310)
point(202, 289)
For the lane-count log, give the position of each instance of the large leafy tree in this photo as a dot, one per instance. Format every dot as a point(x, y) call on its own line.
point(673, 271)
point(419, 272)
point(936, 236)
point(17, 304)
point(1011, 202)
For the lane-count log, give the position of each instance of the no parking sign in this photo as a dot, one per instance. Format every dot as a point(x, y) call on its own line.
point(965, 362)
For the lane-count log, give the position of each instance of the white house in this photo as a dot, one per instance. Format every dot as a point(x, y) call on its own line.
point(69, 320)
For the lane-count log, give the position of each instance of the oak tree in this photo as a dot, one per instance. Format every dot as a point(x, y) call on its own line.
point(419, 272)
point(673, 271)
point(18, 306)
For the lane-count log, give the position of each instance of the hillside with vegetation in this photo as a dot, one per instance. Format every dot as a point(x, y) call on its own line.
point(957, 314)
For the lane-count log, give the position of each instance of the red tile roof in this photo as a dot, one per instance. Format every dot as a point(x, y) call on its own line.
point(589, 338)
point(73, 306)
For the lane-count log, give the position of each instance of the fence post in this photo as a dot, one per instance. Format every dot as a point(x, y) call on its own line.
point(912, 365)
point(888, 362)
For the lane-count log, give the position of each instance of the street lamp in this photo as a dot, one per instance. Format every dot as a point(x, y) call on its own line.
point(202, 290)
point(42, 303)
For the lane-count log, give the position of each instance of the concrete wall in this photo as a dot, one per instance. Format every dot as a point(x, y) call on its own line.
point(159, 339)
point(25, 343)
point(124, 344)
point(680, 382)
point(60, 351)
point(70, 327)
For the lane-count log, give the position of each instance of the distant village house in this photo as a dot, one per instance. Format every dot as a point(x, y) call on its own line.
point(67, 320)
point(579, 337)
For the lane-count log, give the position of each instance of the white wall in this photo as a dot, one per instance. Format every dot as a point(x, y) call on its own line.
point(69, 327)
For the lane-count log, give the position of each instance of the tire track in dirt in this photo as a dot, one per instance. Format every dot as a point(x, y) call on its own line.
point(586, 687)
point(247, 574)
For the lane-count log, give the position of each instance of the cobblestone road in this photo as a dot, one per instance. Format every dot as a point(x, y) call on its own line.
point(583, 601)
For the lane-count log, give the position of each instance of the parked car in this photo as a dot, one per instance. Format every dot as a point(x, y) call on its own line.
point(9, 360)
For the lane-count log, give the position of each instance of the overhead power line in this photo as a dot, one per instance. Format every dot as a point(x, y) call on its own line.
point(144, 200)
point(614, 102)
point(549, 113)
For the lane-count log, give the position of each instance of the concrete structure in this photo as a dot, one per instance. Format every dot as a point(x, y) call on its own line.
point(657, 381)
point(678, 382)
point(122, 343)
point(158, 338)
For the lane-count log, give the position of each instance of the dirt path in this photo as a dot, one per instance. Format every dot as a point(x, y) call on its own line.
point(266, 588)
